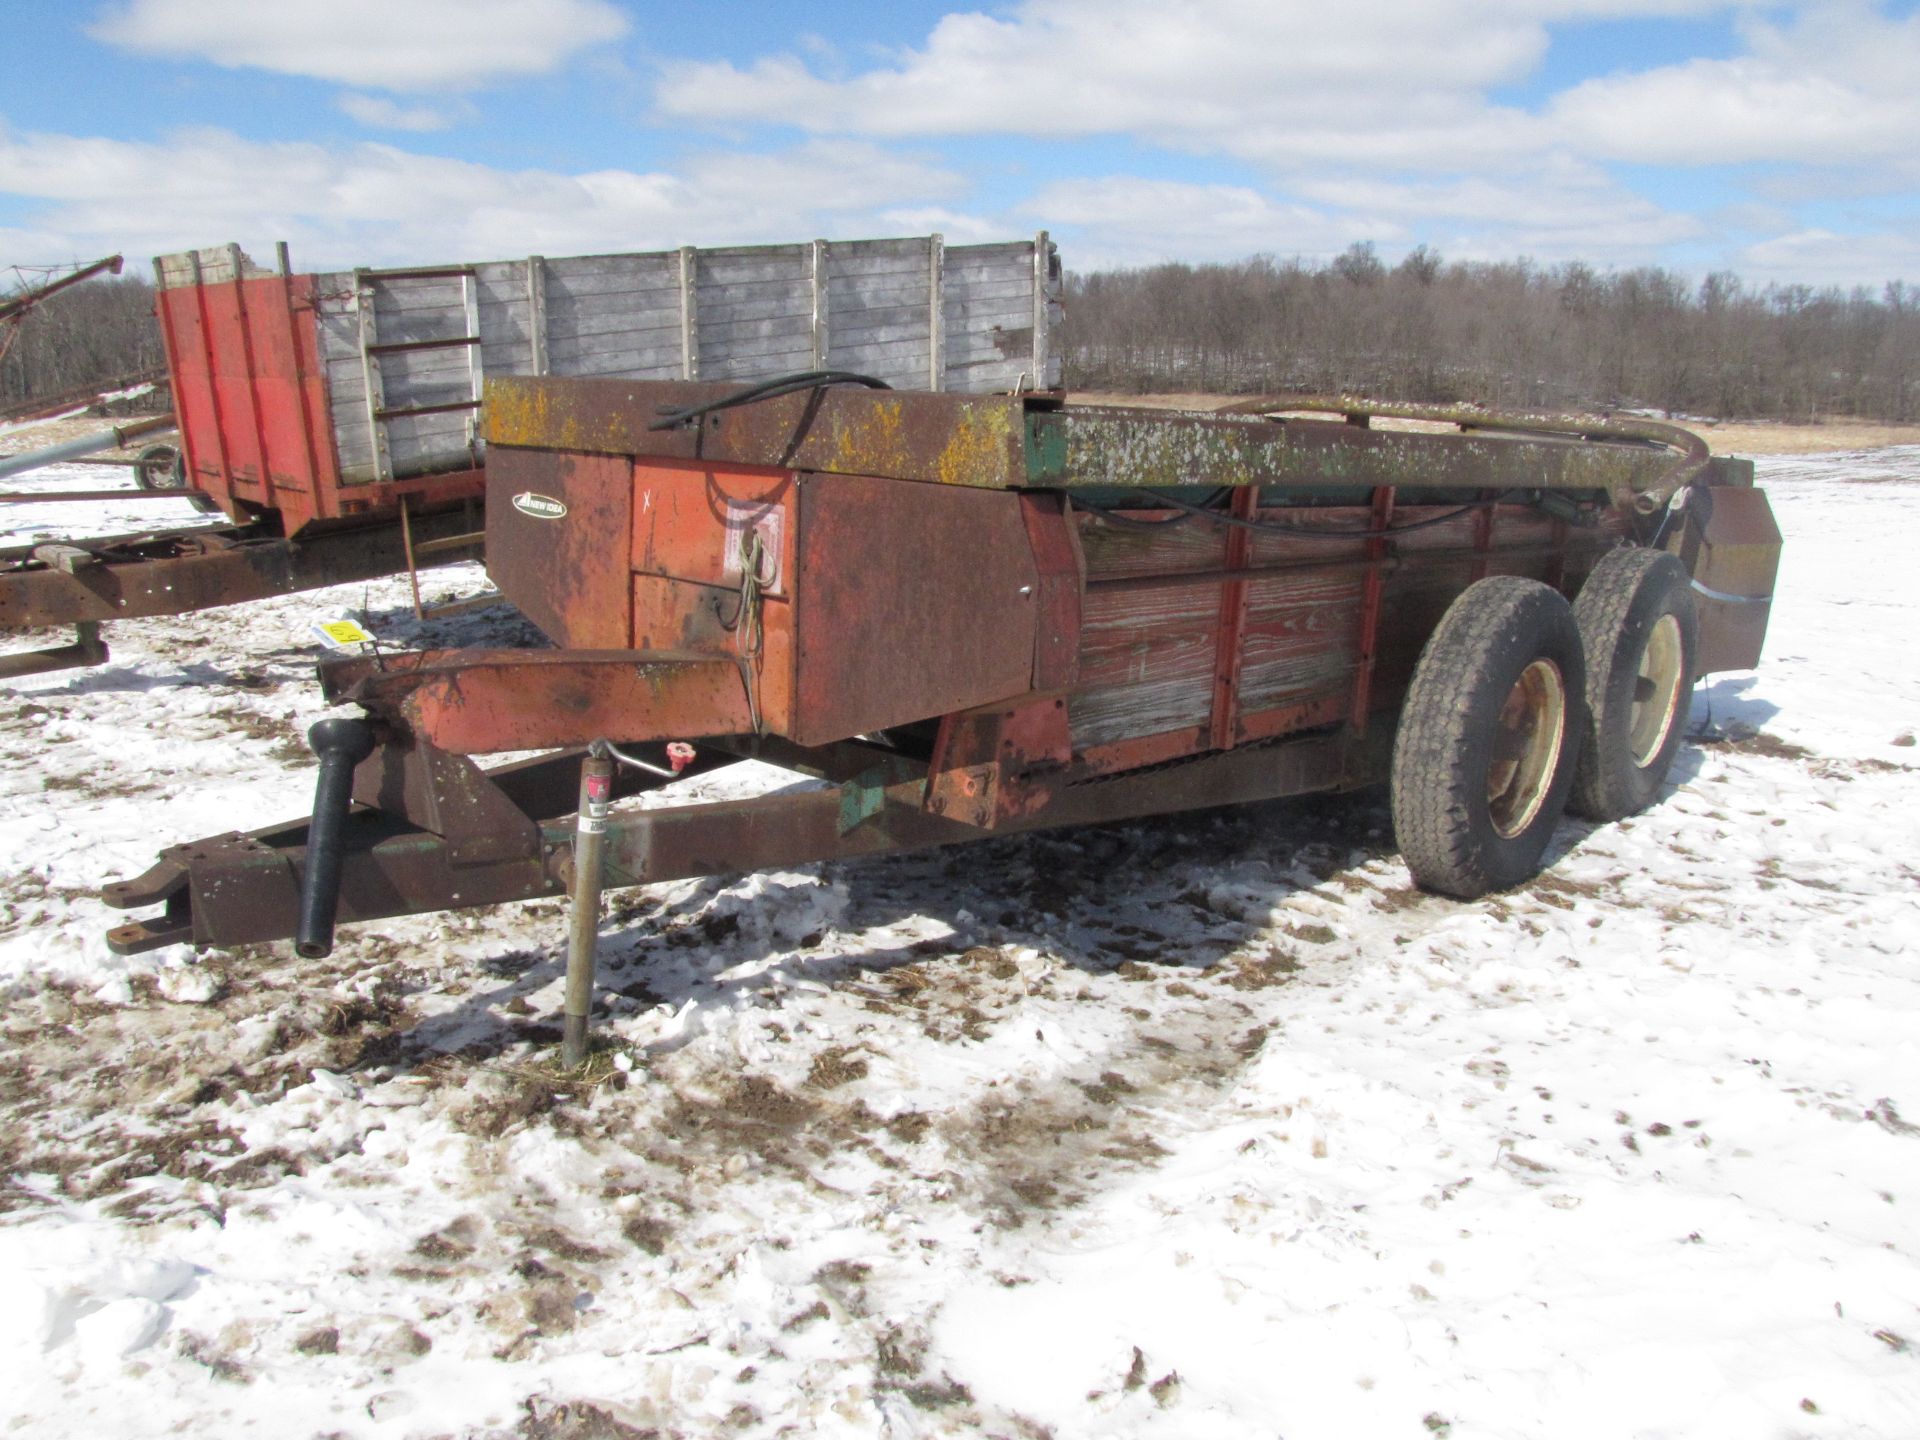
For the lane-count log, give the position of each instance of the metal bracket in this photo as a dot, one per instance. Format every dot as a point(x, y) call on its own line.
point(865, 796)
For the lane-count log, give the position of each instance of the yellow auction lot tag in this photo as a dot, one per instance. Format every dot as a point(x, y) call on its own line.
point(342, 634)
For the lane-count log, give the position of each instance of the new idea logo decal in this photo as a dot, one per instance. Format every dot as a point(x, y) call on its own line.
point(540, 507)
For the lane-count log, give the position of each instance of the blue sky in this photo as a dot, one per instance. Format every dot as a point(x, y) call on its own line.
point(1778, 140)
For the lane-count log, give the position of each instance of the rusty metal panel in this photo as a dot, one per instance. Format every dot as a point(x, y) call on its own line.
point(993, 764)
point(1063, 576)
point(910, 601)
point(693, 529)
point(967, 440)
point(558, 531)
point(692, 522)
point(1734, 569)
point(705, 620)
point(475, 702)
point(449, 796)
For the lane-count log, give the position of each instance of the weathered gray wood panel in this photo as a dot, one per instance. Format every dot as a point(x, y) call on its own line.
point(754, 314)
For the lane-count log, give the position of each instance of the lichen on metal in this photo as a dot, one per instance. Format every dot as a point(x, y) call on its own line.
point(1110, 447)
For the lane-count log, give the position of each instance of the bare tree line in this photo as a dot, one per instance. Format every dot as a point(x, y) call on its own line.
point(91, 334)
point(1509, 334)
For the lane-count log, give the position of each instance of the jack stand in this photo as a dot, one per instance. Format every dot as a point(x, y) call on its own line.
point(583, 925)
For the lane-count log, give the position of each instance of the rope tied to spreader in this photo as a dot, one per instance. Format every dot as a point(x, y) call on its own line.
point(747, 624)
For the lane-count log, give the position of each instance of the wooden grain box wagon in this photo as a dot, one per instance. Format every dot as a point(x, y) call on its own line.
point(978, 614)
point(335, 417)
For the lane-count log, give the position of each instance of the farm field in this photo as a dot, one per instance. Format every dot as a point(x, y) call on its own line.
point(1206, 1126)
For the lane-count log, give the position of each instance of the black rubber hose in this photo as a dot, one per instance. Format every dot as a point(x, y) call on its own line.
point(341, 745)
point(768, 390)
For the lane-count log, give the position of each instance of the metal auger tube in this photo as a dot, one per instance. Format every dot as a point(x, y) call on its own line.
point(85, 445)
point(341, 745)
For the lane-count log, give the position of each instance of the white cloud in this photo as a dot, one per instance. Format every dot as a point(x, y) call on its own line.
point(1559, 211)
point(1281, 82)
point(1823, 257)
point(956, 227)
point(1834, 88)
point(1225, 73)
point(382, 114)
point(1127, 221)
point(409, 46)
point(377, 204)
point(39, 247)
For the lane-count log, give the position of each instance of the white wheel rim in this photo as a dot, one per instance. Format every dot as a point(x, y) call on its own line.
point(1528, 735)
point(1656, 692)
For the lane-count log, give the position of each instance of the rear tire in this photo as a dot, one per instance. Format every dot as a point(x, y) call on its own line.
point(1488, 738)
point(1637, 622)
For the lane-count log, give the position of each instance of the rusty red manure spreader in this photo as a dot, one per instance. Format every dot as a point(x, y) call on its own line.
point(974, 615)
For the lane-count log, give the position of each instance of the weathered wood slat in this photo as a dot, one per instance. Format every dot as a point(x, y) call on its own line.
point(615, 286)
point(1126, 711)
point(754, 367)
point(723, 334)
point(658, 362)
point(856, 299)
point(626, 368)
point(790, 308)
point(719, 279)
point(752, 256)
point(979, 286)
point(878, 356)
point(572, 268)
point(1115, 552)
point(580, 323)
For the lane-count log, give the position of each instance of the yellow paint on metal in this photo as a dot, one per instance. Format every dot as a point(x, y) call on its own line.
point(977, 453)
point(872, 445)
point(515, 414)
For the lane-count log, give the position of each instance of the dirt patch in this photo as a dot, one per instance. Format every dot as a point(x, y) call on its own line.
point(578, 1420)
point(647, 1232)
point(1741, 741)
point(285, 741)
point(1250, 972)
point(836, 1066)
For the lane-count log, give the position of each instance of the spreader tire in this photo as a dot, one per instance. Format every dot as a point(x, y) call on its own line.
point(1637, 623)
point(1488, 738)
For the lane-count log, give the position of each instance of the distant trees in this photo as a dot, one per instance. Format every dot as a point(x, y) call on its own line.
point(1509, 334)
point(93, 333)
point(1506, 333)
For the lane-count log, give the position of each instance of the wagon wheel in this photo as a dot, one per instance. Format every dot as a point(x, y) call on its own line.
point(1639, 630)
point(1488, 738)
point(159, 467)
point(163, 467)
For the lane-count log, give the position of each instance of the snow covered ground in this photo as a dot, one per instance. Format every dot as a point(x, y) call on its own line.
point(1204, 1127)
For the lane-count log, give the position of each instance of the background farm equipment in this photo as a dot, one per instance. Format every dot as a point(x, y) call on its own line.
point(974, 615)
point(334, 418)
